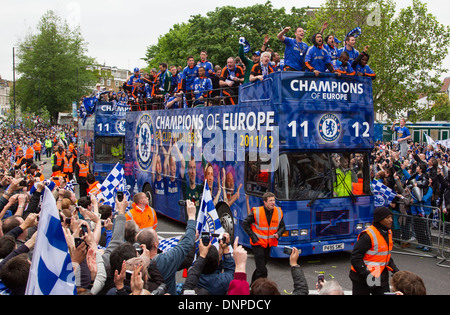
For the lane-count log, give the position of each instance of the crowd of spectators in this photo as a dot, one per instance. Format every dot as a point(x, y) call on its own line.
point(200, 83)
point(420, 179)
point(115, 257)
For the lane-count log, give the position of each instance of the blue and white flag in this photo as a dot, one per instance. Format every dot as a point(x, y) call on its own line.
point(383, 194)
point(51, 271)
point(168, 243)
point(114, 182)
point(208, 219)
point(245, 43)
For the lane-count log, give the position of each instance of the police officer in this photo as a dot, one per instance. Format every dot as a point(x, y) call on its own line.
point(371, 257)
point(264, 225)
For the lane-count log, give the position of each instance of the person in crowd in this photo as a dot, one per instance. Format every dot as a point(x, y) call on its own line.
point(403, 135)
point(371, 258)
point(142, 213)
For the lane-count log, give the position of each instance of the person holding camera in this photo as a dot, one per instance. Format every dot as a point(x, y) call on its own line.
point(264, 225)
point(168, 263)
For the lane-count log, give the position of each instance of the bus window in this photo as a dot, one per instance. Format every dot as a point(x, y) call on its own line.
point(257, 175)
point(305, 176)
point(350, 176)
point(302, 176)
point(109, 149)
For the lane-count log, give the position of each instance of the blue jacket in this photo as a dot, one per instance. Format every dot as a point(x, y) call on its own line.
point(169, 262)
point(218, 282)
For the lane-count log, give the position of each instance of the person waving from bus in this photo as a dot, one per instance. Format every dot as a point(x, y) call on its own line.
point(295, 51)
point(231, 78)
point(317, 59)
point(262, 69)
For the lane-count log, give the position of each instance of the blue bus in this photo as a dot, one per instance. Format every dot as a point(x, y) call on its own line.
point(307, 139)
point(101, 137)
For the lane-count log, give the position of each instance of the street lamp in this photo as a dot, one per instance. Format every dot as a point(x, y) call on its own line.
point(14, 80)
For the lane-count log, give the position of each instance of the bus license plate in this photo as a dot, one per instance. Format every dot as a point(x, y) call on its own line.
point(328, 248)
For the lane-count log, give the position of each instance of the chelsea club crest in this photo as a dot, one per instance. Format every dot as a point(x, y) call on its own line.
point(329, 127)
point(144, 142)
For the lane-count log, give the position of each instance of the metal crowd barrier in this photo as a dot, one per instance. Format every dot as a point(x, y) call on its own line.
point(422, 236)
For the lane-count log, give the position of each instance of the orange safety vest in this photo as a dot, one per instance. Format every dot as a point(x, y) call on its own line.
point(68, 165)
point(83, 169)
point(58, 174)
point(37, 147)
point(30, 153)
point(378, 256)
point(263, 229)
point(144, 219)
point(94, 189)
point(59, 158)
point(19, 160)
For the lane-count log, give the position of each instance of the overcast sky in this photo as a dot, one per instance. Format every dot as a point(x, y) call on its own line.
point(118, 32)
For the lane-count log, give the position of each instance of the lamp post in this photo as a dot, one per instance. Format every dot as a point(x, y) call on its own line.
point(14, 86)
point(14, 81)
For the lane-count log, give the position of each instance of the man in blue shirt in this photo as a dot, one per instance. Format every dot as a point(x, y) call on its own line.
point(209, 68)
point(349, 47)
point(189, 74)
point(295, 51)
point(403, 135)
point(202, 87)
point(317, 59)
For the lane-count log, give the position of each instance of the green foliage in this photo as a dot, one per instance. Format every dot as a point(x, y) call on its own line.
point(52, 64)
point(218, 33)
point(440, 109)
point(406, 50)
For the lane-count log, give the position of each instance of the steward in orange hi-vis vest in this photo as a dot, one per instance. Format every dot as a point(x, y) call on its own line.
point(264, 225)
point(264, 230)
point(371, 258)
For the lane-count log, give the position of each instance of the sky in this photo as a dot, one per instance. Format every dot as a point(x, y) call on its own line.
point(118, 33)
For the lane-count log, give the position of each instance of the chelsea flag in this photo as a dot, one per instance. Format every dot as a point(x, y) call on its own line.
point(51, 271)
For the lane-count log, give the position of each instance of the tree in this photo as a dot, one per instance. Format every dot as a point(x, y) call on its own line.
point(406, 49)
point(218, 33)
point(52, 67)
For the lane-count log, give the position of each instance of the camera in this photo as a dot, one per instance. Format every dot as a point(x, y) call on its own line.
point(78, 241)
point(120, 196)
point(138, 248)
point(206, 238)
point(287, 250)
point(84, 229)
point(128, 274)
point(161, 290)
point(320, 281)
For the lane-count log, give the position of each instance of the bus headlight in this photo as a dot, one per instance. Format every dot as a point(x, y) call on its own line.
point(359, 226)
point(304, 232)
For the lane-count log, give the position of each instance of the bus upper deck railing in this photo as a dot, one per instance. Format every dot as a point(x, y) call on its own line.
point(277, 88)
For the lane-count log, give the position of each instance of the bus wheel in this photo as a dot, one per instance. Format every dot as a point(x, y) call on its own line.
point(148, 191)
point(226, 219)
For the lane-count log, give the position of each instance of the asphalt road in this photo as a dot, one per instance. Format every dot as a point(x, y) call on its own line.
point(334, 265)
